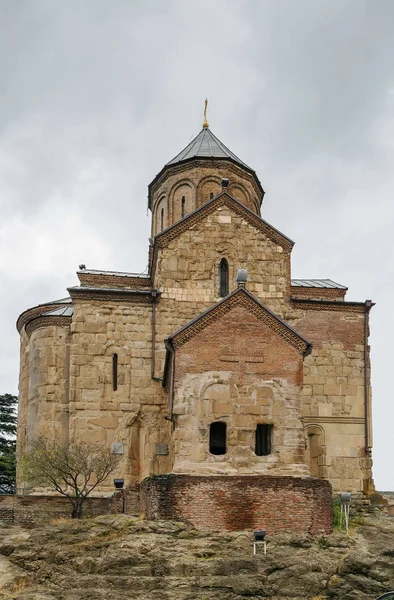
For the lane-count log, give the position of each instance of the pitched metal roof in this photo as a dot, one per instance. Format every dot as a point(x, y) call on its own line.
point(63, 311)
point(317, 283)
point(206, 145)
point(117, 273)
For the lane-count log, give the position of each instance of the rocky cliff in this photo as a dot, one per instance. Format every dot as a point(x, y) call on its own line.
point(119, 558)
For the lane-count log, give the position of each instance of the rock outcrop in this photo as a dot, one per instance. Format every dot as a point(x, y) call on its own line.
point(119, 558)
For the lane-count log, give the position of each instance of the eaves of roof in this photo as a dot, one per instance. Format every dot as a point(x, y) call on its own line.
point(201, 210)
point(241, 290)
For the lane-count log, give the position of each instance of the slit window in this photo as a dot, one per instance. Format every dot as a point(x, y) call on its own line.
point(183, 203)
point(217, 438)
point(223, 277)
point(115, 372)
point(162, 219)
point(211, 195)
point(263, 439)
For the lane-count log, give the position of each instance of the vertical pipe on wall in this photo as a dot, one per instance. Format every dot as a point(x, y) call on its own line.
point(368, 306)
point(154, 294)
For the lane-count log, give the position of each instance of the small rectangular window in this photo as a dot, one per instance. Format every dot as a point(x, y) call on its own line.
point(263, 445)
point(217, 438)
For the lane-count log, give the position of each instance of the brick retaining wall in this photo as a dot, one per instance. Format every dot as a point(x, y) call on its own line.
point(230, 503)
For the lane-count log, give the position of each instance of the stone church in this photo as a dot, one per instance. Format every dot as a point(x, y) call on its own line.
point(213, 364)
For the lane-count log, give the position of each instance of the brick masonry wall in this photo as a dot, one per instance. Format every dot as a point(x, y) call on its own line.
point(240, 503)
point(33, 510)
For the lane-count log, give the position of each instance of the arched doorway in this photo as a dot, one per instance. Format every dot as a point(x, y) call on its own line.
point(316, 450)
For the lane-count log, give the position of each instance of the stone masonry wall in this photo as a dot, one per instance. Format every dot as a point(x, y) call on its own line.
point(196, 182)
point(33, 510)
point(241, 372)
point(132, 415)
point(334, 393)
point(44, 388)
point(238, 503)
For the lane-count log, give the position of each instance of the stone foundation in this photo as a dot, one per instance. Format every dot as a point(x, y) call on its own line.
point(236, 503)
point(29, 511)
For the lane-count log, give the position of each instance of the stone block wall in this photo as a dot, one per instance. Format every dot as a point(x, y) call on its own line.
point(131, 415)
point(195, 183)
point(188, 266)
point(334, 393)
point(33, 510)
point(238, 503)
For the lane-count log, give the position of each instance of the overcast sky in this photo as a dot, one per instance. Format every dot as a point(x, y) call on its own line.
point(96, 95)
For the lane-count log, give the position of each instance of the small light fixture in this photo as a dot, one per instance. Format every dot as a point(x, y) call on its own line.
point(242, 277)
point(119, 483)
point(259, 535)
point(259, 540)
point(225, 183)
point(345, 509)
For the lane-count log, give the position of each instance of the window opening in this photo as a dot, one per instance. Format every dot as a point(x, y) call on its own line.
point(263, 439)
point(162, 219)
point(223, 276)
point(217, 438)
point(211, 195)
point(183, 202)
point(115, 372)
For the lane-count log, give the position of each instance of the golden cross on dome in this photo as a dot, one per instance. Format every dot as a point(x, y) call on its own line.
point(205, 124)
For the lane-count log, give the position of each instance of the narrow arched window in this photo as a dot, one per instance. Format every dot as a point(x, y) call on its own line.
point(183, 203)
point(211, 195)
point(162, 219)
point(223, 278)
point(263, 445)
point(217, 438)
point(115, 372)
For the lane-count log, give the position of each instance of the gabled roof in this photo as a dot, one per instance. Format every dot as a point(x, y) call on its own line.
point(224, 198)
point(317, 283)
point(205, 146)
point(240, 297)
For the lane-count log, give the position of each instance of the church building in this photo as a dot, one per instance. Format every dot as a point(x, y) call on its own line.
point(214, 364)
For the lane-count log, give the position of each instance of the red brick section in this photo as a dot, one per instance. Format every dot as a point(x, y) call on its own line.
point(241, 334)
point(230, 503)
point(319, 326)
point(318, 293)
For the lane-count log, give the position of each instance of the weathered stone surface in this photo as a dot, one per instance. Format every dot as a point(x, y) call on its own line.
point(118, 558)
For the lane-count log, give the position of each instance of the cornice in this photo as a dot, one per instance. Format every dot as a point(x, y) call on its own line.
point(232, 166)
point(330, 305)
point(112, 295)
point(241, 297)
point(318, 420)
point(40, 322)
point(112, 280)
point(31, 313)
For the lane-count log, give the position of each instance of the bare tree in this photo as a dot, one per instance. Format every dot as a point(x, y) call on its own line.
point(73, 469)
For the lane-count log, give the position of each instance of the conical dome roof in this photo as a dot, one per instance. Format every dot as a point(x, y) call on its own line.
point(206, 145)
